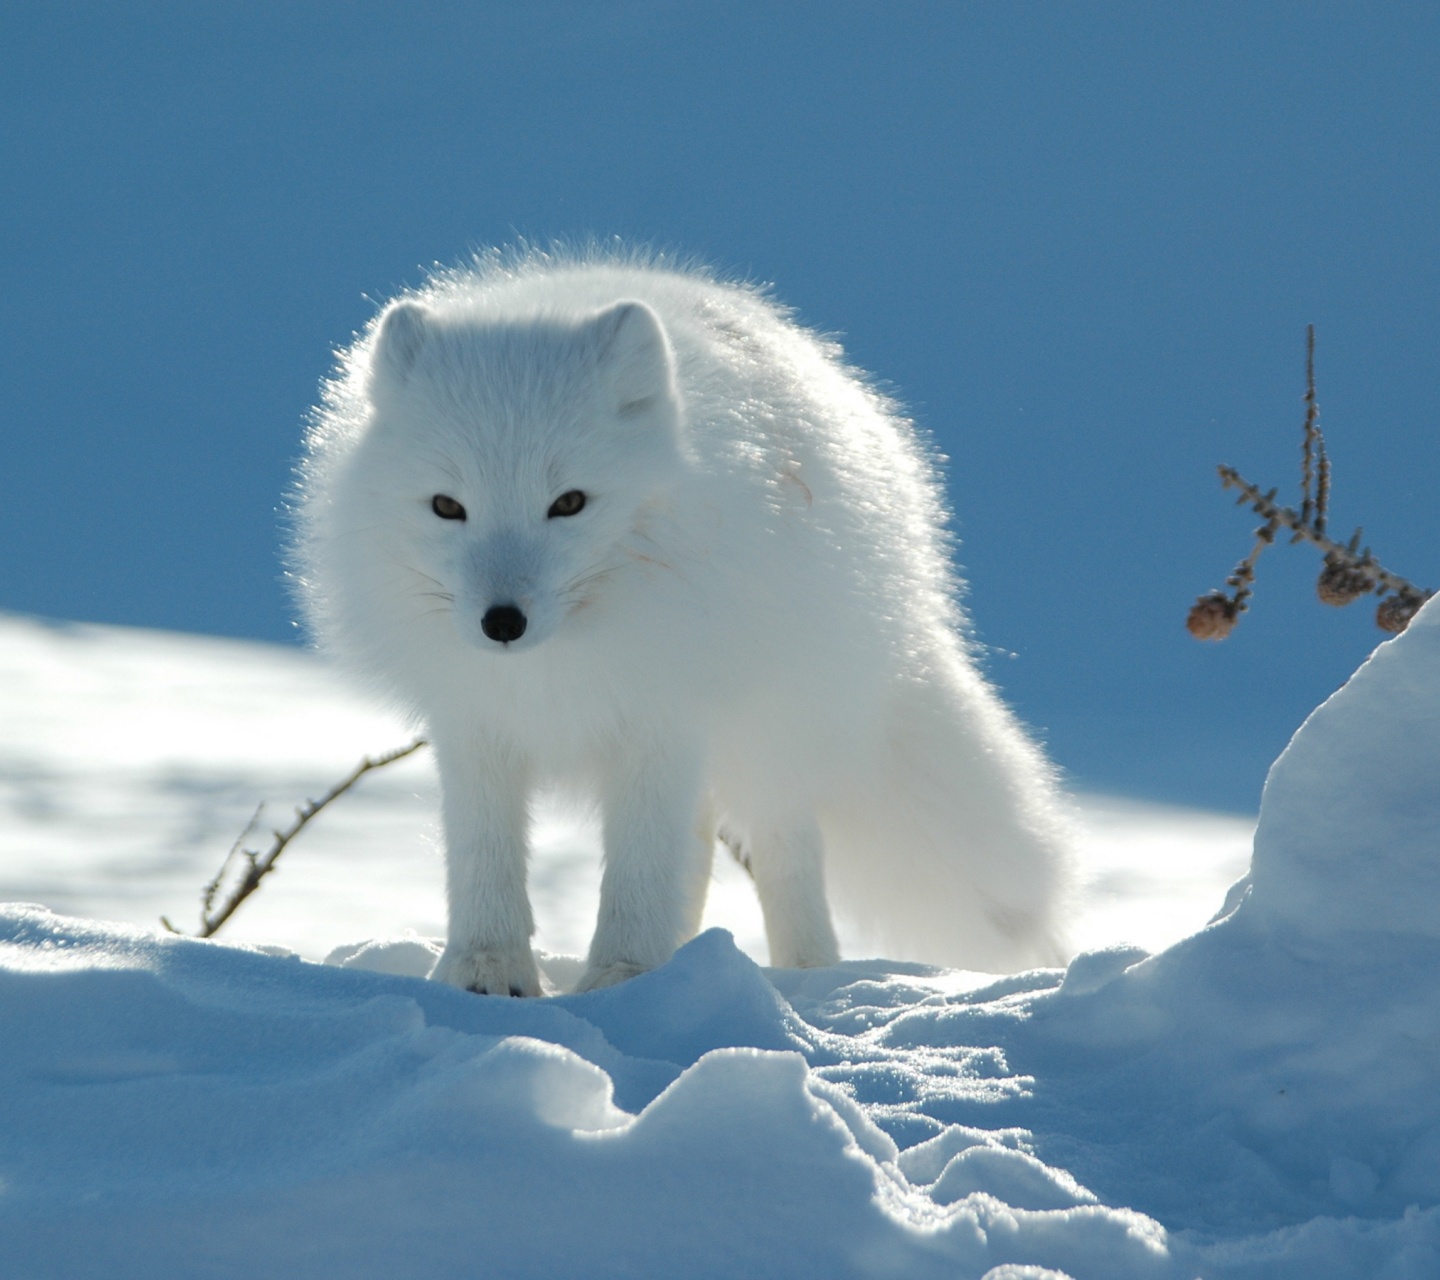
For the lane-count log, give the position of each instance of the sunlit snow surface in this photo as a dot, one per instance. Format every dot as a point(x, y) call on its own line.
point(1261, 1099)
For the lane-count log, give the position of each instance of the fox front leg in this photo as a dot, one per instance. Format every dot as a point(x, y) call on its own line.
point(657, 852)
point(484, 791)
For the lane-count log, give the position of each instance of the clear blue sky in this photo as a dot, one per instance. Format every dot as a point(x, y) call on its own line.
point(1081, 241)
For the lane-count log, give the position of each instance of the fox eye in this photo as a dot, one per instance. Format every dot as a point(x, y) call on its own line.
point(446, 507)
point(567, 504)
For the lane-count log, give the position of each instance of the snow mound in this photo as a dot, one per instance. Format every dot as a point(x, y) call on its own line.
point(1349, 835)
point(173, 1107)
point(1257, 1101)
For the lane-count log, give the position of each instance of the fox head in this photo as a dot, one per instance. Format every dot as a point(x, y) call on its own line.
point(511, 465)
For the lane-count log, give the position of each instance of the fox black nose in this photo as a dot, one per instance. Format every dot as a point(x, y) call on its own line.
point(503, 622)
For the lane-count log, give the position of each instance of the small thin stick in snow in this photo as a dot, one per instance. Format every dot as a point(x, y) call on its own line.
point(259, 865)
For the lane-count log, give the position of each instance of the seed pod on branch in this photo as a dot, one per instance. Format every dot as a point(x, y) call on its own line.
point(1213, 616)
point(1394, 612)
point(1342, 581)
point(1349, 572)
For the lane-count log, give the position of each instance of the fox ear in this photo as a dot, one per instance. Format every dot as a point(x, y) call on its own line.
point(635, 356)
point(404, 329)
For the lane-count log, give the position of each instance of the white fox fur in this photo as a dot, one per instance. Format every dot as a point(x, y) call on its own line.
point(750, 626)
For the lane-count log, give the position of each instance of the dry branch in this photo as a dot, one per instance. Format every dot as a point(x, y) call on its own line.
point(1348, 573)
point(259, 865)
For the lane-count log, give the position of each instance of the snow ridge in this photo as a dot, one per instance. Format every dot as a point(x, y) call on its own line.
point(1257, 1100)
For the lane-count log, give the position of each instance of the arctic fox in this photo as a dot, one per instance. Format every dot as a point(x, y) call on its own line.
point(604, 523)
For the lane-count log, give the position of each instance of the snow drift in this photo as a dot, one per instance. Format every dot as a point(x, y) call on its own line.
point(1259, 1100)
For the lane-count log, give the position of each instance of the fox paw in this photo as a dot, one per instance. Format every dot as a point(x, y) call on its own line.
point(608, 975)
point(509, 971)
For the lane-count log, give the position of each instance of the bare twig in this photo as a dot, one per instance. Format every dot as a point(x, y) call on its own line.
point(259, 865)
point(1348, 573)
point(1313, 501)
point(1263, 504)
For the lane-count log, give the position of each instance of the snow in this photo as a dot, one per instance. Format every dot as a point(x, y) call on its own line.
point(1256, 1099)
